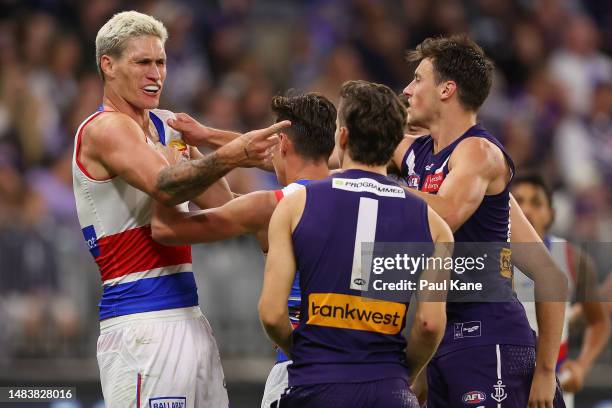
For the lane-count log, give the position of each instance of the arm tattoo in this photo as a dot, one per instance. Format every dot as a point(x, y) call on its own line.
point(186, 180)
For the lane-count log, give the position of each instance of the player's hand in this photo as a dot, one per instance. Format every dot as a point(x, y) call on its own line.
point(194, 133)
point(254, 149)
point(571, 376)
point(543, 388)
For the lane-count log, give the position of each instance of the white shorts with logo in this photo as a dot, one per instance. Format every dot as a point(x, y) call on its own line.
point(160, 359)
point(276, 384)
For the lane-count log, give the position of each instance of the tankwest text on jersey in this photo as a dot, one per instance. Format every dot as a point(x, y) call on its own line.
point(355, 312)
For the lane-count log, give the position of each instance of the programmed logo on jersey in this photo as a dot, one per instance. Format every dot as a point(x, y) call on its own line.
point(168, 402)
point(368, 185)
point(89, 232)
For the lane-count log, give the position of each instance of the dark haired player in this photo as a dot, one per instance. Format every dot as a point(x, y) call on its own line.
point(535, 198)
point(357, 356)
point(300, 156)
point(463, 173)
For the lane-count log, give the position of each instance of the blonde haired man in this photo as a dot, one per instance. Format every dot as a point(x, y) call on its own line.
point(155, 347)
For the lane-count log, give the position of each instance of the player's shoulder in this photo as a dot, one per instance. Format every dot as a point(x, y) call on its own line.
point(110, 125)
point(478, 150)
point(296, 196)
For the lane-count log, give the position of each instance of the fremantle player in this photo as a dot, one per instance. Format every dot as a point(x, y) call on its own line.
point(301, 156)
point(354, 357)
point(535, 198)
point(463, 173)
point(149, 299)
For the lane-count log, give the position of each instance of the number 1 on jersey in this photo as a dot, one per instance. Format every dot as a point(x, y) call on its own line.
point(367, 218)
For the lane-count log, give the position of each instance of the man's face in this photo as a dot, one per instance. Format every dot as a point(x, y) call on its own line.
point(140, 71)
point(422, 94)
point(535, 205)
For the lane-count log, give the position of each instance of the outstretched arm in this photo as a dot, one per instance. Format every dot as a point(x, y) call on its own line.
point(217, 194)
point(187, 179)
point(246, 214)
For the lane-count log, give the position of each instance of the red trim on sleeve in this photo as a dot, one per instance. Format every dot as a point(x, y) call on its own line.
point(78, 147)
point(279, 194)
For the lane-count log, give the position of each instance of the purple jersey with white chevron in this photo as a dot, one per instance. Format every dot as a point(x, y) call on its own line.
point(343, 337)
point(493, 322)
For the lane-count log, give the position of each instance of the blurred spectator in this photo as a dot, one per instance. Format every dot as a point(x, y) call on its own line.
point(578, 65)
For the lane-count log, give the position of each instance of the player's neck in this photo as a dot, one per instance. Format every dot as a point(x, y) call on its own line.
point(449, 127)
point(306, 170)
point(112, 101)
point(349, 164)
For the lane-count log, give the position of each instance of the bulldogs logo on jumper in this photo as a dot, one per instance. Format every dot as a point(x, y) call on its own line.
point(181, 147)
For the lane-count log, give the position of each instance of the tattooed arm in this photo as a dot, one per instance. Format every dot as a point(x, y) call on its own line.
point(185, 180)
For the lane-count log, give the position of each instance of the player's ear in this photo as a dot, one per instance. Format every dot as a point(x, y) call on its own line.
point(285, 143)
point(447, 89)
point(107, 66)
point(343, 135)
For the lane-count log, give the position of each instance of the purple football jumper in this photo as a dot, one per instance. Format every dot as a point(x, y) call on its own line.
point(363, 365)
point(487, 354)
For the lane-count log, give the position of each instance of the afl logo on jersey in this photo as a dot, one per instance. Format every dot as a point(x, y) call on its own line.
point(474, 397)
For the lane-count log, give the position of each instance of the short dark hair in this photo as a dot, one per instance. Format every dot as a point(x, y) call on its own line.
point(461, 60)
point(375, 119)
point(313, 123)
point(536, 180)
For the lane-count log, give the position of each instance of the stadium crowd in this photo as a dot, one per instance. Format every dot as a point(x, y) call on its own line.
point(551, 105)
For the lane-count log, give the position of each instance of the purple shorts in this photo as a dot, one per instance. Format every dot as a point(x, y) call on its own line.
point(387, 393)
point(491, 376)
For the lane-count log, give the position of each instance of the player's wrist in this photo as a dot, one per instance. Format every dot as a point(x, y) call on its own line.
point(232, 154)
point(544, 369)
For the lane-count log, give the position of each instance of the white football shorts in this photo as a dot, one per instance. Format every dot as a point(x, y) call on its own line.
point(160, 359)
point(276, 384)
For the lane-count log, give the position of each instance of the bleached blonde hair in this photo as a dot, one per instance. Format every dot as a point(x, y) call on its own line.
point(111, 38)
